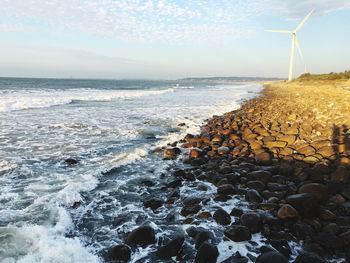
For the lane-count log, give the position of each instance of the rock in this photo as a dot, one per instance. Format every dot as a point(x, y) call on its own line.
point(237, 212)
point(289, 139)
point(119, 253)
point(253, 196)
point(236, 258)
point(153, 203)
point(238, 233)
point(207, 253)
point(171, 249)
point(287, 212)
point(257, 185)
point(329, 241)
point(263, 158)
point(345, 237)
point(277, 144)
point(71, 161)
point(307, 150)
point(223, 150)
point(171, 153)
point(141, 236)
point(222, 217)
point(191, 200)
point(251, 220)
point(261, 175)
point(320, 191)
point(309, 257)
point(282, 246)
point(196, 153)
point(306, 204)
point(226, 189)
point(190, 209)
point(341, 174)
point(271, 257)
point(344, 161)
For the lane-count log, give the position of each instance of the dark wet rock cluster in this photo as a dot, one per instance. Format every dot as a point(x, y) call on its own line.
point(287, 154)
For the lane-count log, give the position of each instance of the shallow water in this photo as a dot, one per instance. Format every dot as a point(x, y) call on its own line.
point(52, 212)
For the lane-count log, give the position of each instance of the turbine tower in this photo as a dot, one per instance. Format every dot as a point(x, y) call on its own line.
point(295, 43)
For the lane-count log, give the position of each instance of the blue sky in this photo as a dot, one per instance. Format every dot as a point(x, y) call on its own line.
point(169, 39)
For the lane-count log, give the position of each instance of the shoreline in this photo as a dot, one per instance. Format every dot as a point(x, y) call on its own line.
point(286, 153)
point(293, 143)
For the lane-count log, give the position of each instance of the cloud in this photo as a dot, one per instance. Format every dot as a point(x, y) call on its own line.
point(156, 20)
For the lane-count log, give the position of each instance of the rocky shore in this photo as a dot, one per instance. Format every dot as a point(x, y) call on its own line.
point(286, 154)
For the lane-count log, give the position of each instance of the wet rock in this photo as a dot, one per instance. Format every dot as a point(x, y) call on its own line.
point(271, 257)
point(341, 174)
point(287, 212)
point(237, 212)
point(251, 220)
point(190, 209)
point(222, 217)
point(282, 246)
point(257, 185)
point(261, 175)
point(238, 233)
point(171, 152)
point(71, 161)
point(306, 204)
point(320, 191)
point(196, 153)
point(171, 249)
point(141, 236)
point(223, 150)
point(226, 189)
point(119, 253)
point(302, 230)
point(329, 241)
point(207, 253)
point(153, 203)
point(263, 158)
point(309, 257)
point(253, 196)
point(173, 183)
point(236, 258)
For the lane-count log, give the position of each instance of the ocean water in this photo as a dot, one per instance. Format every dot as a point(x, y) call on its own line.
point(53, 212)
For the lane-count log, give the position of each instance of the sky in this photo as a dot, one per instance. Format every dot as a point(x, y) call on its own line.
point(170, 39)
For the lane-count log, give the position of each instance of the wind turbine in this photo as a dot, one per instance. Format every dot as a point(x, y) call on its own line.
point(295, 42)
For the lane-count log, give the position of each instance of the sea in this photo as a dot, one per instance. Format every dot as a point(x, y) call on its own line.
point(51, 211)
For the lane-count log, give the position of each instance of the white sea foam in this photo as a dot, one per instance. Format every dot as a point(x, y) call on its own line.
point(34, 243)
point(27, 99)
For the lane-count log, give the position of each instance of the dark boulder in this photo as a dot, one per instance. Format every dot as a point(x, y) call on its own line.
point(141, 236)
point(153, 203)
point(308, 257)
point(253, 196)
point(222, 217)
point(119, 253)
point(207, 253)
point(306, 204)
point(238, 233)
point(282, 246)
point(271, 257)
point(236, 258)
point(71, 161)
point(251, 220)
point(171, 249)
point(226, 189)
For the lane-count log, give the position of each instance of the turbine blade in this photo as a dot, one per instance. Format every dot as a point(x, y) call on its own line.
point(303, 21)
point(297, 44)
point(279, 31)
point(299, 49)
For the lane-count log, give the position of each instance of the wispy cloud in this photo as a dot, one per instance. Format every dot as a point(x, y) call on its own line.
point(156, 20)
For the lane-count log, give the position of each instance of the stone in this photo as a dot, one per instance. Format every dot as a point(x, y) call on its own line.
point(257, 185)
point(236, 258)
point(190, 209)
point(344, 161)
point(71, 161)
point(141, 236)
point(261, 175)
point(306, 204)
point(263, 158)
point(119, 253)
point(289, 139)
point(320, 191)
point(253, 196)
point(196, 153)
point(171, 249)
point(276, 144)
point(307, 150)
point(238, 233)
point(251, 220)
point(309, 257)
point(222, 217)
point(153, 203)
point(271, 257)
point(171, 152)
point(226, 189)
point(223, 150)
point(207, 253)
point(341, 174)
point(287, 212)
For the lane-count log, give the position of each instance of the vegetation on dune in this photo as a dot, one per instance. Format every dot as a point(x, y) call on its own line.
point(329, 76)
